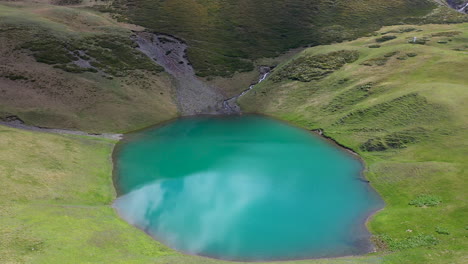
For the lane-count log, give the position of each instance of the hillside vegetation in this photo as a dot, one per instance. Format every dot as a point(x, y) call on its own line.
point(74, 68)
point(64, 64)
point(406, 118)
point(401, 106)
point(396, 96)
point(224, 36)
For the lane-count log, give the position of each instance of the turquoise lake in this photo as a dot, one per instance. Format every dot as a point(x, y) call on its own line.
point(245, 188)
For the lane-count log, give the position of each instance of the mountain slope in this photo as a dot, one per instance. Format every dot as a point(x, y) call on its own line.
point(73, 68)
point(224, 36)
point(55, 206)
point(401, 106)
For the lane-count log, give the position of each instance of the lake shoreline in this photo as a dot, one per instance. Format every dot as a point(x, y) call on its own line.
point(370, 246)
point(121, 138)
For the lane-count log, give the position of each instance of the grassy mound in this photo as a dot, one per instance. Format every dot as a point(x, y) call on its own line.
point(407, 118)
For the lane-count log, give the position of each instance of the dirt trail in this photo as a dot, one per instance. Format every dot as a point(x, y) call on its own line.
point(17, 123)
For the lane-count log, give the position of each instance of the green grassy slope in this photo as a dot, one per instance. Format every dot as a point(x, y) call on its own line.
point(402, 108)
point(55, 203)
point(40, 82)
point(226, 35)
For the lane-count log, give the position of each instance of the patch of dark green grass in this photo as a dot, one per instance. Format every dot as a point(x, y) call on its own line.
point(414, 241)
point(442, 231)
point(116, 55)
point(73, 68)
point(308, 68)
point(385, 38)
point(391, 54)
point(395, 140)
point(424, 200)
point(50, 50)
point(405, 30)
point(112, 54)
point(66, 2)
point(402, 30)
point(351, 97)
point(380, 61)
point(15, 77)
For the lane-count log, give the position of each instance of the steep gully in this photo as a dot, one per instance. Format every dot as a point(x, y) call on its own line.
point(193, 96)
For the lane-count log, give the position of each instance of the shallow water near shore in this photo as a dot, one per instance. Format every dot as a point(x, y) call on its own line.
point(244, 188)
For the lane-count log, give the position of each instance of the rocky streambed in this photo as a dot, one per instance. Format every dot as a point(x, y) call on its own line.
point(460, 6)
point(194, 97)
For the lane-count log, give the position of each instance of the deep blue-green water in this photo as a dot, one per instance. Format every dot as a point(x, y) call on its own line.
point(244, 188)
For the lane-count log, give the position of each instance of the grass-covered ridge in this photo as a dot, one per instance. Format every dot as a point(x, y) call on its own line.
point(224, 36)
point(407, 119)
point(75, 68)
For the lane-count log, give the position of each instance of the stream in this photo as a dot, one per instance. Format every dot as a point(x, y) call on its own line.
point(194, 97)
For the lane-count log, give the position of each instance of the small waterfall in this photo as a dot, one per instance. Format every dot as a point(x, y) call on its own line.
point(464, 9)
point(193, 95)
point(460, 7)
point(230, 104)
